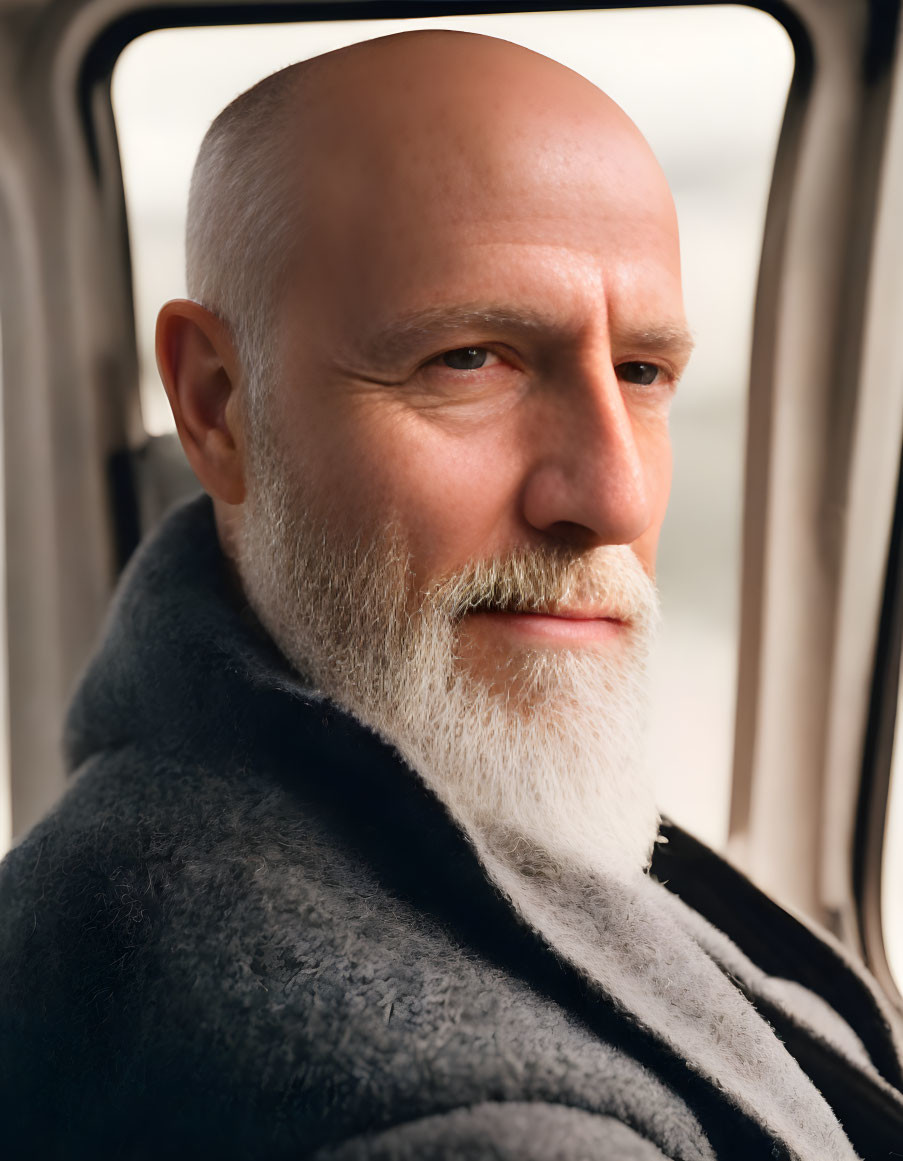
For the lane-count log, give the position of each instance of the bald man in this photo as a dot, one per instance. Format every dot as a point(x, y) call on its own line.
point(362, 859)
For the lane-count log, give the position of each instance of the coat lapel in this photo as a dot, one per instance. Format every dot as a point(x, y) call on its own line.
point(729, 916)
point(626, 939)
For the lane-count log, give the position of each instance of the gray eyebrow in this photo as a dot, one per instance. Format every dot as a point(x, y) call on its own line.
point(675, 340)
point(400, 336)
point(405, 332)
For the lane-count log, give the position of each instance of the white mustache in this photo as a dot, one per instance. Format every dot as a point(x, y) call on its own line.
point(607, 582)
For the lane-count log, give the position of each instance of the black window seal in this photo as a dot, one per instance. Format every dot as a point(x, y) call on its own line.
point(877, 763)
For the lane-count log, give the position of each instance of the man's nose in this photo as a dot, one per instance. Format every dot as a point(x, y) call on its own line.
point(587, 477)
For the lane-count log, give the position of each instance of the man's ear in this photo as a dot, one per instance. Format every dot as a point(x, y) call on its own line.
point(200, 370)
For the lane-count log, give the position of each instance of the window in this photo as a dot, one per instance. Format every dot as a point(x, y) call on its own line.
point(707, 86)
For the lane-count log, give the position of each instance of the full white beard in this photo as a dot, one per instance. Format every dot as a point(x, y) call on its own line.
point(543, 766)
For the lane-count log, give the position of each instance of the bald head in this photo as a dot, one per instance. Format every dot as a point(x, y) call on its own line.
point(392, 136)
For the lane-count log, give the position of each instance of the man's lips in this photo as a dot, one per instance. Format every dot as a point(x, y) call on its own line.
point(561, 625)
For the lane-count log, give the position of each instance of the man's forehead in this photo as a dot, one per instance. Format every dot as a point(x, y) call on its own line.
point(429, 279)
point(449, 215)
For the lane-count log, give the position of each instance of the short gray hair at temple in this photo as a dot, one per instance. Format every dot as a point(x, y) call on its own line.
point(236, 238)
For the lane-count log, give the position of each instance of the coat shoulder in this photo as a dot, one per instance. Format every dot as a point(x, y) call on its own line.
point(191, 956)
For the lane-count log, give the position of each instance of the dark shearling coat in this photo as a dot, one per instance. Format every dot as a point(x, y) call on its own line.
point(249, 932)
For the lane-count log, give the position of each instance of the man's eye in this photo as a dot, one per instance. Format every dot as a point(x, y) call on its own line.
point(643, 374)
point(465, 358)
